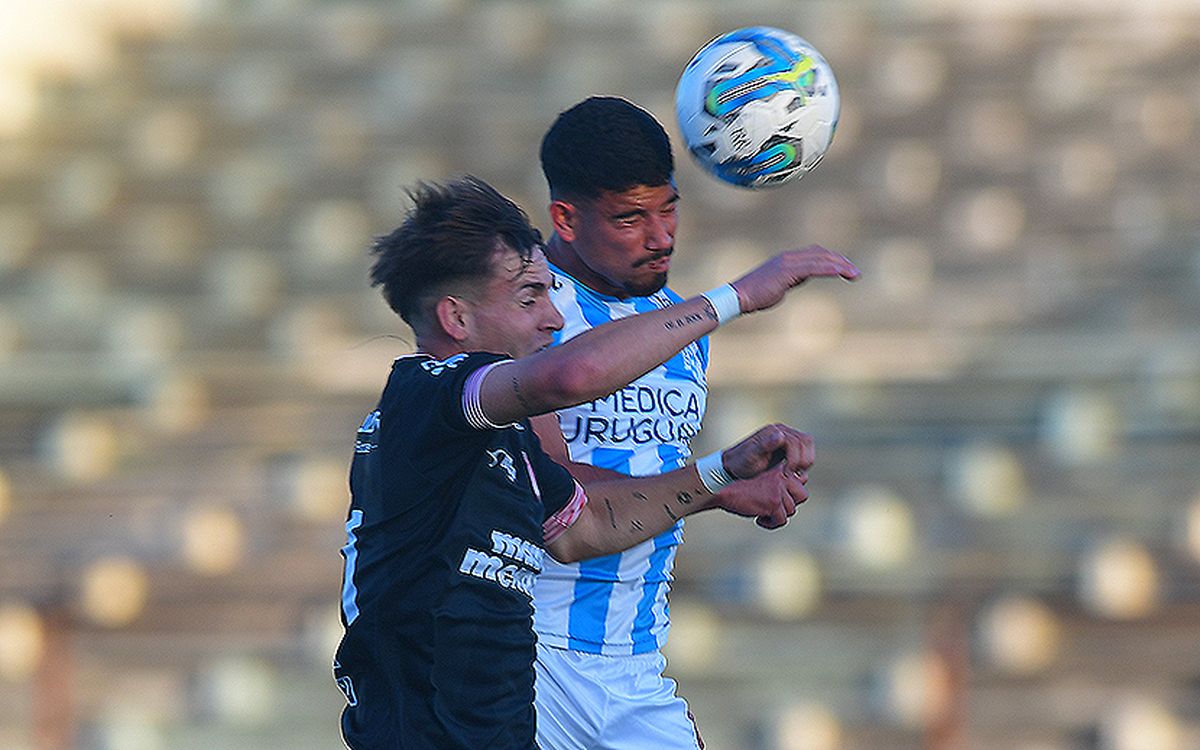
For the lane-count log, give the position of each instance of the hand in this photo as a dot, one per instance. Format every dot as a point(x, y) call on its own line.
point(765, 286)
point(770, 445)
point(771, 497)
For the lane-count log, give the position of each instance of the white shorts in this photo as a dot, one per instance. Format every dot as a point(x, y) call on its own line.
point(593, 702)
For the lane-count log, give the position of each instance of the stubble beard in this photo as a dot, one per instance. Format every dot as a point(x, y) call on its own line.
point(646, 288)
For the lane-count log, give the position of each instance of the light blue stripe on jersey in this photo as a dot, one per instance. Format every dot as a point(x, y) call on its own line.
point(672, 458)
point(589, 610)
point(644, 637)
point(593, 588)
point(595, 312)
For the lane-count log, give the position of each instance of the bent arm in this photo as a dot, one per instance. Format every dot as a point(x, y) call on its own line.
point(621, 512)
point(624, 512)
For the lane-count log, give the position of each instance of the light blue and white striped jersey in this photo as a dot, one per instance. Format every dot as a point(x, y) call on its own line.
point(617, 605)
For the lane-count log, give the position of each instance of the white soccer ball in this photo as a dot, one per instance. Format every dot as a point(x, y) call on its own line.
point(757, 106)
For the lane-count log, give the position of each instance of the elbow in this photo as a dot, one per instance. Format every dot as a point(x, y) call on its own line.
point(565, 552)
point(565, 557)
point(578, 541)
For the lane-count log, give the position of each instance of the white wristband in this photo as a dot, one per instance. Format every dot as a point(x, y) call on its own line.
point(725, 302)
point(712, 472)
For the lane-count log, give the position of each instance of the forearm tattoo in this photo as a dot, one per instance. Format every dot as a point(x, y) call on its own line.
point(516, 386)
point(691, 318)
point(612, 517)
point(684, 498)
point(636, 526)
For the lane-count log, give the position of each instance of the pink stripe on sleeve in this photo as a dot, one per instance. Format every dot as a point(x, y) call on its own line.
point(556, 524)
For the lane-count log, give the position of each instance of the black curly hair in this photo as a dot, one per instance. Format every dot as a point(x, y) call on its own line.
point(448, 238)
point(605, 144)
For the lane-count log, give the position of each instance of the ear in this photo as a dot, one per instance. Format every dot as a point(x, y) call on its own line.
point(453, 317)
point(563, 216)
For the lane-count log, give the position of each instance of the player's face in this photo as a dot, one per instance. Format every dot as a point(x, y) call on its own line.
point(514, 315)
point(626, 239)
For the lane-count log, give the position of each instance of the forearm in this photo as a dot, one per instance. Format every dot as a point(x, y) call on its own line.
point(620, 513)
point(595, 363)
point(623, 512)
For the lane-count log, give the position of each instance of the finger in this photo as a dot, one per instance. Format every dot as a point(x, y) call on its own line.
point(801, 451)
point(787, 498)
point(792, 448)
point(788, 503)
point(849, 271)
point(846, 270)
point(824, 263)
point(771, 522)
point(751, 455)
point(771, 437)
point(781, 439)
point(796, 489)
point(770, 446)
point(784, 508)
point(847, 267)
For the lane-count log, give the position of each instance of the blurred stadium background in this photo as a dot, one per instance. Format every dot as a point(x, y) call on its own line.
point(1003, 545)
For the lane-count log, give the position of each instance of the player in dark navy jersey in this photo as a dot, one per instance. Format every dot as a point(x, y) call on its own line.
point(445, 541)
point(454, 504)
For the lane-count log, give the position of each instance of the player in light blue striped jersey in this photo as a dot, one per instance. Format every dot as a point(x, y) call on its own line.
point(601, 623)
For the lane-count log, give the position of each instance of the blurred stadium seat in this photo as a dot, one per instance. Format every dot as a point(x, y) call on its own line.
point(1003, 545)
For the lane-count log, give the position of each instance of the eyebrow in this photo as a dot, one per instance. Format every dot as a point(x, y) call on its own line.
point(642, 211)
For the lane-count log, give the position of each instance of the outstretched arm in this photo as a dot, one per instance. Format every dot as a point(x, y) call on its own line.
point(623, 512)
point(608, 357)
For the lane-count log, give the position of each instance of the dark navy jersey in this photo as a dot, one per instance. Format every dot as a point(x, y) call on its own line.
point(444, 540)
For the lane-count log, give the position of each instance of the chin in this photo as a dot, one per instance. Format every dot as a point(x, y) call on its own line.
point(648, 287)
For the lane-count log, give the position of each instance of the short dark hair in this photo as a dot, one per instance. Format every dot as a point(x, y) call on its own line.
point(450, 235)
point(605, 144)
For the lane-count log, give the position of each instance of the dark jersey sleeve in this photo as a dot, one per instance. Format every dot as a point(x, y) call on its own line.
point(445, 392)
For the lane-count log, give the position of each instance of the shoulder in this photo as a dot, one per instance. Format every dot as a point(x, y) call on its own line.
point(422, 377)
point(428, 367)
point(440, 393)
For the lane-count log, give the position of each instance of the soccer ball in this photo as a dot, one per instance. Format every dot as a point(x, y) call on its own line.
point(757, 106)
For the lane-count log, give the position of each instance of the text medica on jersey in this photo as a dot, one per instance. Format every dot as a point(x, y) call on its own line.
point(636, 414)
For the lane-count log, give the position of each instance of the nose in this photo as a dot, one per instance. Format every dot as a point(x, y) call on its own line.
point(660, 232)
point(554, 319)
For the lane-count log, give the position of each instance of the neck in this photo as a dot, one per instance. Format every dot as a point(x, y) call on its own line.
point(438, 348)
point(562, 254)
